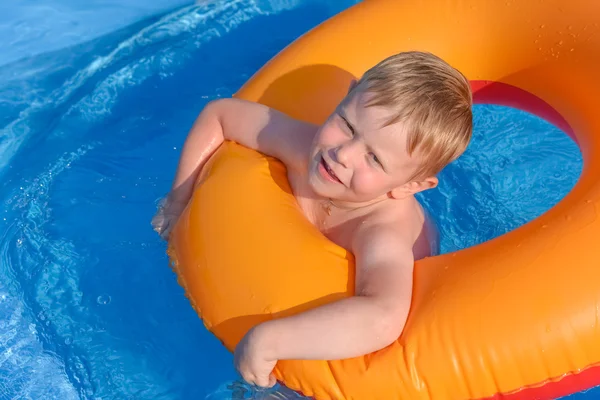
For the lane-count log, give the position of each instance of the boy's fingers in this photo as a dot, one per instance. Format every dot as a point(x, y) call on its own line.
point(249, 378)
point(263, 381)
point(272, 380)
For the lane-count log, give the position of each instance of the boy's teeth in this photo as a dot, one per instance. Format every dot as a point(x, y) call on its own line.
point(331, 171)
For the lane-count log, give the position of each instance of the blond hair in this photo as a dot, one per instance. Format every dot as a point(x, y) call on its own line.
point(432, 99)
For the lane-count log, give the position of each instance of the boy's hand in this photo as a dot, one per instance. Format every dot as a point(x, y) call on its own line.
point(251, 360)
point(166, 217)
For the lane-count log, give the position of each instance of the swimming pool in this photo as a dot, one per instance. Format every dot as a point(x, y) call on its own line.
point(91, 135)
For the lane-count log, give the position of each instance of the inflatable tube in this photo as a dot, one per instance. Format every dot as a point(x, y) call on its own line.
point(513, 318)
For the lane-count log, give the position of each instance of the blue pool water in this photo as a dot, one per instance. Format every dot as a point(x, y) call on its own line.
point(93, 113)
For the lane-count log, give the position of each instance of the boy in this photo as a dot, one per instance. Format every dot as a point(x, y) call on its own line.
point(354, 178)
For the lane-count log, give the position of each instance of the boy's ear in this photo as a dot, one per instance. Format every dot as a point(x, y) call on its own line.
point(413, 187)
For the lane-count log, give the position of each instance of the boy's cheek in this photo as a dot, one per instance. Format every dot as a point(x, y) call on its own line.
point(366, 185)
point(330, 133)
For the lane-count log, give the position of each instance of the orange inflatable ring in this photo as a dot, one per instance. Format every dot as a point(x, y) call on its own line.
point(516, 317)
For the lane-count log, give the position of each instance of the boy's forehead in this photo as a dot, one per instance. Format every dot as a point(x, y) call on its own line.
point(357, 107)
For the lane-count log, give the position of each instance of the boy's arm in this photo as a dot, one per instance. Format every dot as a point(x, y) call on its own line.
point(251, 124)
point(351, 327)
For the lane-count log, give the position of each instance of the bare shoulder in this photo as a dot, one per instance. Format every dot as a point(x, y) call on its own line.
point(397, 229)
point(267, 130)
point(377, 239)
point(384, 260)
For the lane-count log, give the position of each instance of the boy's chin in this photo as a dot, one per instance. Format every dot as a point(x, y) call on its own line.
point(320, 190)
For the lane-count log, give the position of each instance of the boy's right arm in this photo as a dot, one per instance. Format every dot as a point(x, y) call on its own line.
point(251, 124)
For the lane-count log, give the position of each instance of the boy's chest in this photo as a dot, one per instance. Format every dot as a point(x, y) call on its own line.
point(337, 226)
point(341, 234)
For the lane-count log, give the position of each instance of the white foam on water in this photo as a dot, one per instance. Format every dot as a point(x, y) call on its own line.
point(40, 295)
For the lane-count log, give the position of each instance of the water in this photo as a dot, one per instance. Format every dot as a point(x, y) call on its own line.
point(90, 138)
point(516, 167)
point(28, 29)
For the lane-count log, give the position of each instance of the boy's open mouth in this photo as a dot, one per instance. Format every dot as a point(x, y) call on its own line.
point(328, 172)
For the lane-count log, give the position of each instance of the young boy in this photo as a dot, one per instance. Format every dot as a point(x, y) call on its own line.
point(354, 178)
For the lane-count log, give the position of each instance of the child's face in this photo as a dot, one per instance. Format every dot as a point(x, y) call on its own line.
point(355, 158)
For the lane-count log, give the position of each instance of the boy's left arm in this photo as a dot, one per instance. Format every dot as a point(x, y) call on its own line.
point(366, 322)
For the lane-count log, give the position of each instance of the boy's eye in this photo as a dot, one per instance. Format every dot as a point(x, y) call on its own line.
point(348, 126)
point(375, 159)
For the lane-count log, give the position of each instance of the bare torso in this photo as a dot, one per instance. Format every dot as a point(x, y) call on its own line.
point(342, 225)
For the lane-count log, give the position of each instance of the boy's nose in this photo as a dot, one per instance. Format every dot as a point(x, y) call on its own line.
point(344, 152)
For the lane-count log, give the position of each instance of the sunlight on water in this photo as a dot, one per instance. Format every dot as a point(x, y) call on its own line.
point(90, 136)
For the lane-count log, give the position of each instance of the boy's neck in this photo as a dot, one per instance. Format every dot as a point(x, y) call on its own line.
point(331, 205)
